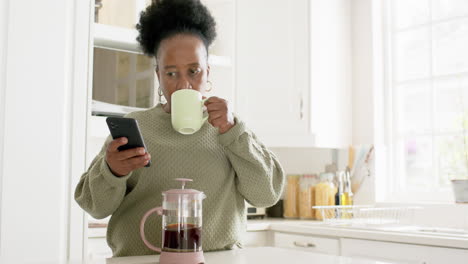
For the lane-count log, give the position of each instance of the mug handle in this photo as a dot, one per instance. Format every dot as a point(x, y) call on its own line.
point(205, 117)
point(159, 210)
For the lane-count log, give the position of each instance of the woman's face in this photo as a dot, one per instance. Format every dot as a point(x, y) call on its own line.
point(182, 64)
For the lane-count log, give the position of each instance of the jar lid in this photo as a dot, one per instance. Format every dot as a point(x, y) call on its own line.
point(326, 176)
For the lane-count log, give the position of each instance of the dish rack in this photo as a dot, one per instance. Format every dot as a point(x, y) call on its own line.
point(366, 215)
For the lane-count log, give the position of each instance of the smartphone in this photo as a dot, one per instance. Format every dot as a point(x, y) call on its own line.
point(126, 127)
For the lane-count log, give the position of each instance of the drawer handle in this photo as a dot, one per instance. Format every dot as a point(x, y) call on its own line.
point(304, 244)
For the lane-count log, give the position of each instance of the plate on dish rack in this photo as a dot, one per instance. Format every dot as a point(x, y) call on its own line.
point(366, 215)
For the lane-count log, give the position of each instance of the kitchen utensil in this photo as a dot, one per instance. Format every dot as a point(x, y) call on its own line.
point(351, 152)
point(361, 170)
point(181, 225)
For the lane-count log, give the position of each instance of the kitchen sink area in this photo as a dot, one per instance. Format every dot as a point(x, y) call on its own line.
point(404, 229)
point(442, 231)
point(403, 220)
point(414, 234)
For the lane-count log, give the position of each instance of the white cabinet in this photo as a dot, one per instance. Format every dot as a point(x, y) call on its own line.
point(403, 253)
point(307, 243)
point(97, 249)
point(293, 74)
point(272, 70)
point(257, 239)
point(330, 72)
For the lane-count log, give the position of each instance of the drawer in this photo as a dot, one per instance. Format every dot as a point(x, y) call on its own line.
point(307, 243)
point(402, 253)
point(97, 249)
point(256, 239)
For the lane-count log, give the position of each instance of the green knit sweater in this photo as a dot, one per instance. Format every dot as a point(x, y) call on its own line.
point(229, 168)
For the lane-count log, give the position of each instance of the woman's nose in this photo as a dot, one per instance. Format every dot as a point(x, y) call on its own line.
point(184, 84)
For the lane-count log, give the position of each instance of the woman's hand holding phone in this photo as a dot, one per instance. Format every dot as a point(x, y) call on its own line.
point(123, 162)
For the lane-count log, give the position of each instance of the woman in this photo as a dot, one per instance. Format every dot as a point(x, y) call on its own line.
point(225, 160)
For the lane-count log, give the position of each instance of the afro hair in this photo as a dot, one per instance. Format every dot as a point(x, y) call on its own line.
point(165, 18)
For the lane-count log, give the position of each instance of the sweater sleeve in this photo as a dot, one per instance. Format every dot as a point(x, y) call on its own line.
point(260, 177)
point(99, 191)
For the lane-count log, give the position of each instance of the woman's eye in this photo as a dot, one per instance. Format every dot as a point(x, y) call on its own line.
point(194, 71)
point(171, 74)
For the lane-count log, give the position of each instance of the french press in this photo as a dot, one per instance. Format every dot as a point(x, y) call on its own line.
point(181, 226)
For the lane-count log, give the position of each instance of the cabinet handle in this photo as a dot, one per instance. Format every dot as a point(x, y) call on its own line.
point(304, 244)
point(301, 107)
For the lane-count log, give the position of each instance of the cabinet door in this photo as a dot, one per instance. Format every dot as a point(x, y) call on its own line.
point(307, 243)
point(97, 249)
point(330, 72)
point(403, 253)
point(446, 255)
point(272, 70)
point(257, 239)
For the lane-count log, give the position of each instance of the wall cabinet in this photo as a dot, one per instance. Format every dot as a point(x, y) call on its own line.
point(293, 74)
point(307, 243)
point(272, 70)
point(403, 253)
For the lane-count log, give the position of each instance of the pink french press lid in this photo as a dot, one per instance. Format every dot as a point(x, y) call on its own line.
point(183, 191)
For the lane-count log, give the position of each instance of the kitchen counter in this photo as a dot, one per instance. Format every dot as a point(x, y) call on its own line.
point(255, 256)
point(318, 228)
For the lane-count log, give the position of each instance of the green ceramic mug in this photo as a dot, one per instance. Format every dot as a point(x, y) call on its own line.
point(187, 111)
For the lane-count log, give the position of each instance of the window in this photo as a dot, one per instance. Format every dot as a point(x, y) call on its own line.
point(427, 70)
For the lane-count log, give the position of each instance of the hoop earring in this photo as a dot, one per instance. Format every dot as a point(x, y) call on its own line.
point(160, 93)
point(211, 86)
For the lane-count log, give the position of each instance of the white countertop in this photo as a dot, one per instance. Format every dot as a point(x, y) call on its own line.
point(267, 255)
point(318, 228)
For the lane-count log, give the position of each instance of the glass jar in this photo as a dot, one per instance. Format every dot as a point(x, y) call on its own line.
point(307, 196)
point(325, 193)
point(291, 199)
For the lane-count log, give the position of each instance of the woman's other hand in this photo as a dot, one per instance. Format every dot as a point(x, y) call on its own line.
point(123, 162)
point(219, 113)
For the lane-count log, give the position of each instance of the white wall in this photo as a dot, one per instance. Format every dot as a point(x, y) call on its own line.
point(38, 154)
point(368, 115)
point(3, 52)
point(362, 72)
point(34, 165)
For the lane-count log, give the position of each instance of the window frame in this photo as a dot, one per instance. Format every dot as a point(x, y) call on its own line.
point(395, 189)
